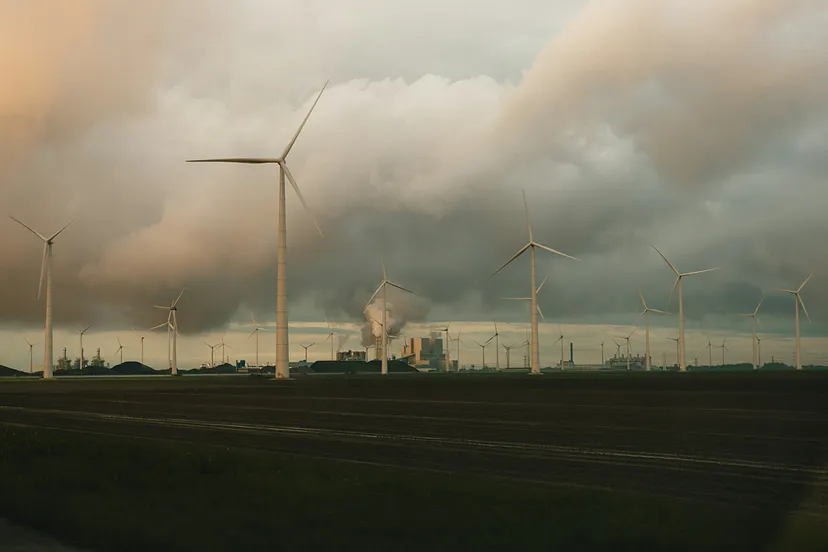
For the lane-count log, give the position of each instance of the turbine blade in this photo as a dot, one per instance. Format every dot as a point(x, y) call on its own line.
point(248, 160)
point(179, 298)
point(42, 269)
point(557, 340)
point(89, 326)
point(631, 333)
point(540, 312)
point(658, 311)
point(639, 316)
point(699, 271)
point(515, 256)
point(556, 252)
point(392, 284)
point(254, 319)
point(666, 261)
point(163, 324)
point(249, 336)
point(38, 234)
point(301, 197)
point(305, 120)
point(672, 291)
point(56, 234)
point(540, 286)
point(801, 302)
point(786, 290)
point(759, 322)
point(643, 302)
point(805, 282)
point(756, 311)
point(374, 294)
point(160, 307)
point(528, 221)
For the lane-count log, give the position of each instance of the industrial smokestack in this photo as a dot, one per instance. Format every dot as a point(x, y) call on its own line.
point(571, 359)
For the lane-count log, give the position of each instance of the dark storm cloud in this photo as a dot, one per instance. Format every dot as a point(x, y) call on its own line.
point(701, 131)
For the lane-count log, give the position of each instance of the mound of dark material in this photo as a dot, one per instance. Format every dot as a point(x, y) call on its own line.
point(220, 369)
point(132, 368)
point(357, 367)
point(87, 371)
point(5, 371)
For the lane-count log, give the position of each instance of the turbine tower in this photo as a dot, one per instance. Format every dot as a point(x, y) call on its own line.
point(646, 314)
point(709, 352)
point(306, 347)
point(81, 332)
point(31, 358)
point(459, 341)
point(678, 283)
point(142, 345)
point(532, 245)
point(496, 337)
point(676, 339)
point(753, 321)
point(46, 273)
point(483, 347)
point(223, 345)
point(256, 330)
point(561, 339)
point(172, 327)
point(447, 366)
point(331, 336)
point(723, 348)
point(384, 288)
point(627, 338)
point(508, 355)
point(282, 361)
point(798, 301)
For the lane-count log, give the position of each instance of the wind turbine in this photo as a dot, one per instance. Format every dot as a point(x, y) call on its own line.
point(508, 355)
point(496, 337)
point(560, 338)
point(459, 341)
point(212, 354)
point(798, 301)
point(753, 321)
point(448, 346)
point(81, 332)
point(709, 351)
point(531, 246)
point(282, 361)
point(172, 326)
point(223, 345)
point(628, 346)
point(759, 350)
point(483, 347)
point(306, 347)
point(46, 273)
point(723, 348)
point(384, 288)
point(120, 350)
point(646, 314)
point(678, 283)
point(617, 349)
point(256, 330)
point(142, 345)
point(31, 345)
point(331, 336)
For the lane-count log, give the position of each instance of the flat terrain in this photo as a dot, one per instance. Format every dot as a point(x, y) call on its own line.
point(752, 444)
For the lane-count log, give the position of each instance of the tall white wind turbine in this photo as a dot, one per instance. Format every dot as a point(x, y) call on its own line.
point(212, 354)
point(627, 338)
point(753, 321)
point(282, 354)
point(306, 347)
point(223, 345)
point(384, 288)
point(172, 326)
point(483, 347)
point(496, 337)
point(646, 314)
point(31, 357)
point(508, 355)
point(798, 301)
point(531, 246)
point(80, 333)
point(678, 283)
point(46, 273)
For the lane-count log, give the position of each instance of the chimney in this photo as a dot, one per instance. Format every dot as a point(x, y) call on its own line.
point(571, 361)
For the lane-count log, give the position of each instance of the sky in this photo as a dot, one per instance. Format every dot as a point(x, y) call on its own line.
point(696, 127)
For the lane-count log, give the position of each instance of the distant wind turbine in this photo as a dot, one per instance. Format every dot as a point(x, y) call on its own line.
point(172, 326)
point(31, 345)
point(256, 330)
point(282, 360)
point(709, 352)
point(120, 350)
point(508, 355)
point(306, 347)
point(459, 341)
point(483, 347)
point(646, 314)
point(532, 245)
point(46, 273)
point(627, 338)
point(447, 365)
point(561, 339)
point(676, 339)
point(678, 284)
point(331, 335)
point(142, 345)
point(723, 348)
point(753, 321)
point(81, 332)
point(798, 301)
point(384, 288)
point(212, 354)
point(223, 345)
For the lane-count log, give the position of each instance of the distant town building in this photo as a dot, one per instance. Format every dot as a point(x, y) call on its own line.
point(345, 356)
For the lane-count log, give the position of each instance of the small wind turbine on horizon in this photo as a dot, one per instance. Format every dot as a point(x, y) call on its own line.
point(212, 354)
point(646, 314)
point(508, 355)
point(627, 338)
point(80, 333)
point(447, 363)
point(531, 246)
point(798, 301)
point(31, 358)
point(331, 335)
point(459, 341)
point(282, 351)
point(120, 349)
point(676, 339)
point(709, 351)
point(224, 345)
point(384, 288)
point(306, 347)
point(753, 321)
point(678, 284)
point(256, 330)
point(172, 326)
point(142, 345)
point(561, 339)
point(46, 273)
point(483, 347)
point(724, 348)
